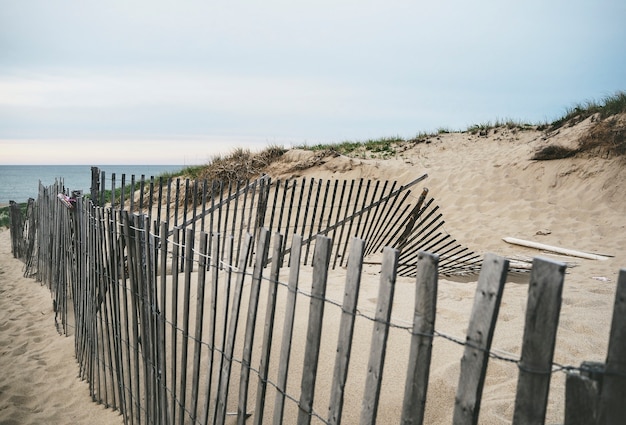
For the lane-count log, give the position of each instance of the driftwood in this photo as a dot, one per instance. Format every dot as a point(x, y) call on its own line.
point(556, 249)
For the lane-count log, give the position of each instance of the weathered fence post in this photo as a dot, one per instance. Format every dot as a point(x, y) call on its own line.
point(253, 304)
point(376, 362)
point(421, 340)
point(227, 355)
point(479, 336)
point(582, 394)
point(290, 311)
point(321, 262)
point(346, 330)
point(95, 185)
point(613, 393)
point(542, 319)
point(268, 330)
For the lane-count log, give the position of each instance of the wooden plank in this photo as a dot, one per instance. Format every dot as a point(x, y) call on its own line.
point(290, 311)
point(253, 304)
point(556, 249)
point(378, 346)
point(268, 330)
point(354, 210)
point(189, 246)
point(215, 258)
point(162, 322)
point(321, 260)
point(542, 319)
point(582, 395)
point(480, 331)
point(227, 356)
point(416, 385)
point(201, 283)
point(612, 405)
point(346, 330)
point(174, 323)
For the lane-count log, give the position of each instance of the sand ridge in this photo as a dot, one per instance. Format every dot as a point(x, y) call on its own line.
point(487, 187)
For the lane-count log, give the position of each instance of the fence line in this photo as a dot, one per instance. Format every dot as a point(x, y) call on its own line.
point(136, 297)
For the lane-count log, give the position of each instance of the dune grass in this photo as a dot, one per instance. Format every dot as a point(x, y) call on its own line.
point(5, 214)
point(608, 106)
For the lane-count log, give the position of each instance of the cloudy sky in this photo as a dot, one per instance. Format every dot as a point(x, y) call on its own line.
point(176, 82)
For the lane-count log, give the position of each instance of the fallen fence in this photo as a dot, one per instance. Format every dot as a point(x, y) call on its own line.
point(181, 324)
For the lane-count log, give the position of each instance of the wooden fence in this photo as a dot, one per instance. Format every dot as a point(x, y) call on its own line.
point(182, 323)
point(383, 213)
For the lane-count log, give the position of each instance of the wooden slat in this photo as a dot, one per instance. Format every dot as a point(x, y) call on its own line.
point(478, 341)
point(542, 319)
point(202, 266)
point(222, 396)
point(189, 245)
point(162, 322)
point(612, 400)
point(268, 330)
point(581, 400)
point(321, 260)
point(255, 288)
point(378, 347)
point(290, 311)
point(174, 324)
point(215, 259)
point(346, 330)
point(416, 385)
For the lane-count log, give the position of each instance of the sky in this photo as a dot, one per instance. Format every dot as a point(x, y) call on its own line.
point(179, 82)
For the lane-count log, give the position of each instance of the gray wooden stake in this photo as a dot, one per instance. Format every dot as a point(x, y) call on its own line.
point(224, 380)
point(542, 319)
point(612, 398)
point(422, 340)
point(478, 341)
point(346, 330)
point(255, 288)
point(378, 348)
point(290, 311)
point(321, 262)
point(268, 330)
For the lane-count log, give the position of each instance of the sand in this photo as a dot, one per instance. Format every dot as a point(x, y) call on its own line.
point(488, 188)
point(39, 381)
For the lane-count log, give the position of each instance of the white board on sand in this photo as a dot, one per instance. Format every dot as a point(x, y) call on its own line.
point(555, 249)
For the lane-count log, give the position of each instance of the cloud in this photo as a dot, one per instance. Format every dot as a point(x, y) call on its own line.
point(297, 71)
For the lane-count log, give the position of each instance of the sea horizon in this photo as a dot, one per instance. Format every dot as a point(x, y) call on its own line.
point(20, 182)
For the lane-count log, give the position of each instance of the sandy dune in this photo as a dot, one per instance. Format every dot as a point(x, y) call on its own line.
point(487, 187)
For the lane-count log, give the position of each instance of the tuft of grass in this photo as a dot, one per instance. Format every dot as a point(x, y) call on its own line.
point(483, 129)
point(240, 165)
point(5, 219)
point(610, 105)
point(383, 147)
point(5, 214)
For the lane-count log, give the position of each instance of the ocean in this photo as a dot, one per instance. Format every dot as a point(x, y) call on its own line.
point(20, 182)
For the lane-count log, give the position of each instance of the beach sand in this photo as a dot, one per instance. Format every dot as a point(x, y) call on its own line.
point(488, 188)
point(39, 381)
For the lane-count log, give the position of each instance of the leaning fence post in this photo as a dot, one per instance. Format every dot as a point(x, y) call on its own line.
point(421, 340)
point(542, 319)
point(612, 403)
point(479, 336)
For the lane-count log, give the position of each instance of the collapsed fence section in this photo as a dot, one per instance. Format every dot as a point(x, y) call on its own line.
point(384, 213)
